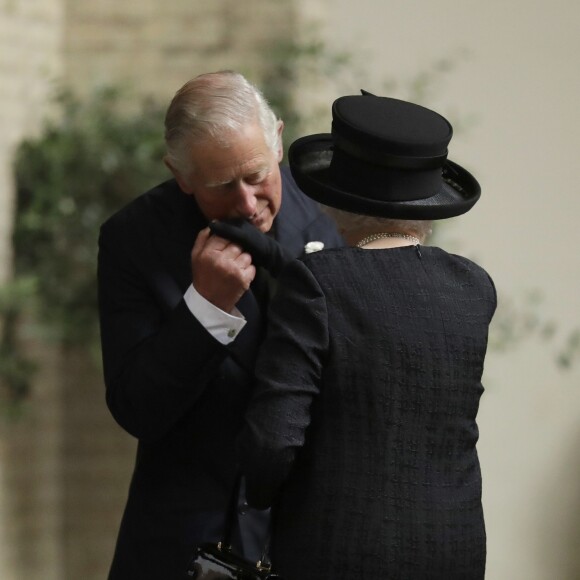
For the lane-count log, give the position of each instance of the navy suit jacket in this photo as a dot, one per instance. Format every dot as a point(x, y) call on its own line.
point(173, 386)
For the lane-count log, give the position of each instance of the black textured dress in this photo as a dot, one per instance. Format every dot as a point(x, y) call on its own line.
point(362, 431)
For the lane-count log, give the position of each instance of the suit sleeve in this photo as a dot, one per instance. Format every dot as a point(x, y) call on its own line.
point(157, 357)
point(288, 374)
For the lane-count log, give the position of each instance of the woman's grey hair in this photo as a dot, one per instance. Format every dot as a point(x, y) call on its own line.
point(210, 106)
point(349, 222)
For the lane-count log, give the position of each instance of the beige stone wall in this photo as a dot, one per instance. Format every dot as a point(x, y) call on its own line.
point(65, 465)
point(30, 518)
point(154, 47)
point(31, 491)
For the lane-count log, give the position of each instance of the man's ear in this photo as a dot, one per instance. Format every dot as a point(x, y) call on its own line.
point(183, 185)
point(280, 151)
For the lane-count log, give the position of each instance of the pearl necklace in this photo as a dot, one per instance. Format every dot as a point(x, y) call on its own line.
point(374, 237)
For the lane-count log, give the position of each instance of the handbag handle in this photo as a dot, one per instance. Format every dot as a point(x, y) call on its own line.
point(226, 543)
point(231, 513)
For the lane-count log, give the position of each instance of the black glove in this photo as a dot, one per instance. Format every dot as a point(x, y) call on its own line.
point(266, 252)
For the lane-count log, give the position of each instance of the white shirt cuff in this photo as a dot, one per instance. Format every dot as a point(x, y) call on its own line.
point(222, 326)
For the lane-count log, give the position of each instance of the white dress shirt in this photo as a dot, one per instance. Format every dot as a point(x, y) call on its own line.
point(223, 326)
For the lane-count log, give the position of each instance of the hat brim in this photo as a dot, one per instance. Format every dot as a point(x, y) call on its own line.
point(310, 157)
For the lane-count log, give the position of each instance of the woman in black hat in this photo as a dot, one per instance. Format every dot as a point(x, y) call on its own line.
point(361, 433)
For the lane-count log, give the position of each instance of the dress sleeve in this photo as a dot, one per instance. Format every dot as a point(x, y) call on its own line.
point(288, 374)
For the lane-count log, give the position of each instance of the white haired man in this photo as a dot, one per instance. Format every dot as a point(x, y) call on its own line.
point(180, 315)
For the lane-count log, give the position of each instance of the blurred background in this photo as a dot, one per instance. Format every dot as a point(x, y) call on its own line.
point(83, 88)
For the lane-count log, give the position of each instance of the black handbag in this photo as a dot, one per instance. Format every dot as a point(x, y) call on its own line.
point(218, 562)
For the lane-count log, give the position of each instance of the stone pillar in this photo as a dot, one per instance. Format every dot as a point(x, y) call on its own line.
point(30, 527)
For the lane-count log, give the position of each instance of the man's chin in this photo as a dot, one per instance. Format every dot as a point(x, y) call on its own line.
point(263, 223)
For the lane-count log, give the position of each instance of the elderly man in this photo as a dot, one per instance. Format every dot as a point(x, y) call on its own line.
point(182, 313)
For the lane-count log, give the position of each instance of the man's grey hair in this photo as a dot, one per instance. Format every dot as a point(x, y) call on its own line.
point(210, 106)
point(350, 222)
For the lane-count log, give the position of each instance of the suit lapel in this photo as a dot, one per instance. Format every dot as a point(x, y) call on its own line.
point(179, 223)
point(288, 234)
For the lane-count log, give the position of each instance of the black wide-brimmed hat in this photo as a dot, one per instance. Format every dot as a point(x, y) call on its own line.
point(385, 157)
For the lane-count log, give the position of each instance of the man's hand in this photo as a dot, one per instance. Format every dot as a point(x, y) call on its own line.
point(221, 270)
point(266, 252)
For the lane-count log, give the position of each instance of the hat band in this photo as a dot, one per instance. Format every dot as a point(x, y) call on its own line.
point(380, 183)
point(387, 160)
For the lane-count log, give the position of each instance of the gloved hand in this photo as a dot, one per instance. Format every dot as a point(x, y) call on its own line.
point(265, 251)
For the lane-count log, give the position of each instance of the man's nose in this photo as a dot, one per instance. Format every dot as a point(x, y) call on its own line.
point(246, 200)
